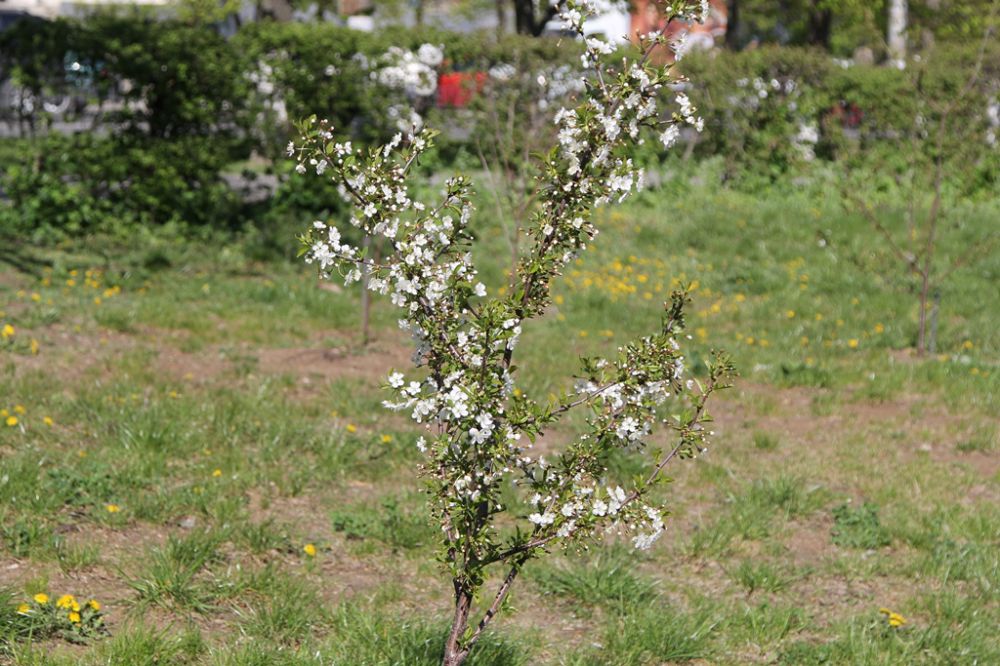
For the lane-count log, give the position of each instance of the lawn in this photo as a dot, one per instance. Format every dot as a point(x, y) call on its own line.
point(194, 438)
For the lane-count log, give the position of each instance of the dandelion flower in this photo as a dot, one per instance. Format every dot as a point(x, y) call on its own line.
point(74, 617)
point(112, 508)
point(19, 409)
point(41, 598)
point(35, 347)
point(386, 439)
point(48, 421)
point(895, 620)
point(65, 601)
point(352, 428)
point(11, 421)
point(217, 473)
point(7, 331)
point(94, 604)
point(853, 343)
point(309, 549)
point(23, 609)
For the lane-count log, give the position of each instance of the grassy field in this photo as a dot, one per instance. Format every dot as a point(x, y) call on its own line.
point(194, 440)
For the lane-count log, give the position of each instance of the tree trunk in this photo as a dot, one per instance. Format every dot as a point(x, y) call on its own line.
point(896, 32)
point(819, 25)
point(366, 299)
point(501, 18)
point(733, 25)
point(454, 653)
point(525, 21)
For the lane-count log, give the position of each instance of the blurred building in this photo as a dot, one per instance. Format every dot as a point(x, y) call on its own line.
point(646, 18)
point(51, 9)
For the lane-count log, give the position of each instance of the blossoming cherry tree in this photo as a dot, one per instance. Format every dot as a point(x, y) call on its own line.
point(498, 505)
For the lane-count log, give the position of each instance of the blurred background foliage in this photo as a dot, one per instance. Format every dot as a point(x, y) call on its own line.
point(186, 123)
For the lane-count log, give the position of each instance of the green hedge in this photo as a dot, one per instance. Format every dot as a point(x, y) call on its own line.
point(865, 113)
point(191, 108)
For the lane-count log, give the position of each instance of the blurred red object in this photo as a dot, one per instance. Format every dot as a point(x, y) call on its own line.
point(455, 89)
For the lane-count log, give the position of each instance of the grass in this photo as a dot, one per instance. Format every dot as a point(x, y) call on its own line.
point(182, 442)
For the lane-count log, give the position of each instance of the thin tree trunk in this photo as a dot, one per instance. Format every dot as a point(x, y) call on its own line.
point(732, 25)
point(454, 654)
point(366, 298)
point(820, 22)
point(924, 289)
point(896, 32)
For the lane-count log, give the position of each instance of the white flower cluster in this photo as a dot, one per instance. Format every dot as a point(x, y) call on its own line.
point(559, 83)
point(413, 73)
point(466, 395)
point(264, 82)
point(758, 94)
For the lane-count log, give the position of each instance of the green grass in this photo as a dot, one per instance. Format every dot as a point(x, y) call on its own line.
point(225, 409)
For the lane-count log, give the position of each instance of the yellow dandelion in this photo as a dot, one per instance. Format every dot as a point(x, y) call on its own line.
point(309, 549)
point(48, 421)
point(879, 328)
point(967, 344)
point(853, 343)
point(35, 347)
point(19, 409)
point(216, 473)
point(74, 617)
point(894, 619)
point(112, 508)
point(41, 598)
point(97, 300)
point(790, 314)
point(36, 297)
point(7, 331)
point(386, 439)
point(23, 609)
point(65, 601)
point(94, 604)
point(71, 282)
point(351, 428)
point(11, 421)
